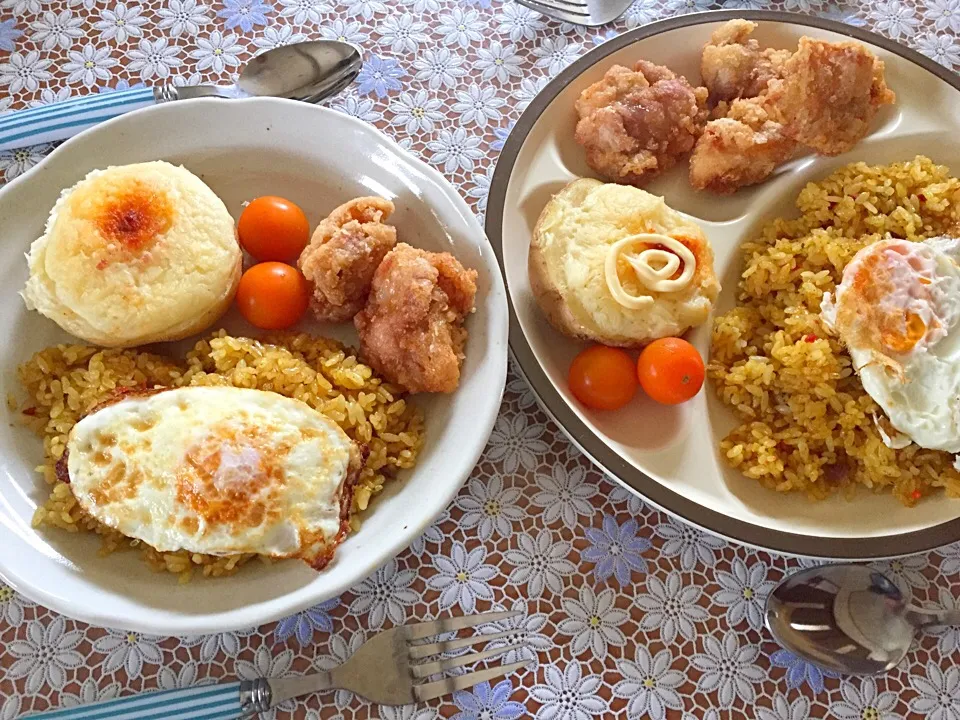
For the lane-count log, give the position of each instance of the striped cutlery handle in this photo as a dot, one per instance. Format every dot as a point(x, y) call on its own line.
point(204, 702)
point(59, 121)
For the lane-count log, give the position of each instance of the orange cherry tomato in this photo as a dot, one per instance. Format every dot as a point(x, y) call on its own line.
point(603, 378)
point(273, 296)
point(670, 370)
point(272, 228)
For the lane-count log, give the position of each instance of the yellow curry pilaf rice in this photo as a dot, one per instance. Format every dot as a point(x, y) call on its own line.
point(65, 381)
point(806, 422)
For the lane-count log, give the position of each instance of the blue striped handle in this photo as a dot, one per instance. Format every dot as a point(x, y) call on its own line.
point(59, 121)
point(205, 702)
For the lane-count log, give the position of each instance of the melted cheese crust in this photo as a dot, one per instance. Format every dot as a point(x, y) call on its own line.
point(135, 254)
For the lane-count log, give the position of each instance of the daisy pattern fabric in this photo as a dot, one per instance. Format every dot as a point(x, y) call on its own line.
point(625, 612)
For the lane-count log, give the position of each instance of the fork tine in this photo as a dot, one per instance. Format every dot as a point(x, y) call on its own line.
point(555, 14)
point(439, 688)
point(418, 652)
point(422, 630)
point(558, 7)
point(571, 5)
point(438, 666)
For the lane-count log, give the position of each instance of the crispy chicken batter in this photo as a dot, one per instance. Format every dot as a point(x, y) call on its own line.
point(731, 154)
point(635, 123)
point(831, 93)
point(343, 254)
point(743, 148)
point(734, 66)
point(824, 96)
point(411, 330)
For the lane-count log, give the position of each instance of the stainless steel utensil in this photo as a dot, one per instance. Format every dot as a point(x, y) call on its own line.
point(384, 670)
point(589, 13)
point(309, 71)
point(847, 618)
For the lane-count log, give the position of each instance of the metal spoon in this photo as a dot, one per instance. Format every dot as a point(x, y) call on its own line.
point(309, 71)
point(847, 618)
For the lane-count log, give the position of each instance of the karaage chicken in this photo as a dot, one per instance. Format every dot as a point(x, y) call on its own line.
point(743, 148)
point(824, 96)
point(730, 154)
point(831, 93)
point(634, 124)
point(343, 255)
point(411, 330)
point(734, 66)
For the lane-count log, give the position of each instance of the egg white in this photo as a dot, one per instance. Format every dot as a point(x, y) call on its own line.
point(214, 470)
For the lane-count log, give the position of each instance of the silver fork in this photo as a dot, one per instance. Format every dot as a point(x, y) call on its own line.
point(590, 13)
point(384, 670)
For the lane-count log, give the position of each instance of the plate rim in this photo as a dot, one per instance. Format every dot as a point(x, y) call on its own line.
point(265, 611)
point(590, 443)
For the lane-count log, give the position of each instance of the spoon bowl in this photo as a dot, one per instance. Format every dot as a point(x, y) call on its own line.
point(847, 618)
point(307, 71)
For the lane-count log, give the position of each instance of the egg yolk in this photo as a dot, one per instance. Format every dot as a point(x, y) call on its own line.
point(231, 477)
point(905, 341)
point(886, 285)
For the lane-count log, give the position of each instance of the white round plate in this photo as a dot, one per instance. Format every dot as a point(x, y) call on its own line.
point(318, 158)
point(669, 455)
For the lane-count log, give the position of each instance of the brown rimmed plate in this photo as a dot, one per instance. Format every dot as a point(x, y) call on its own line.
point(669, 455)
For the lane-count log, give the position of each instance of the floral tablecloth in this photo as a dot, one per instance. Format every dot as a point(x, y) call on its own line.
point(626, 613)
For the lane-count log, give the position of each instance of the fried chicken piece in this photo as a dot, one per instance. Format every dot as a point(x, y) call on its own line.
point(731, 154)
point(743, 148)
point(634, 124)
point(758, 110)
point(831, 93)
point(823, 96)
point(734, 66)
point(345, 250)
point(411, 330)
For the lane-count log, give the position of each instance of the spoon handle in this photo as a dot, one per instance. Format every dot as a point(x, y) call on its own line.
point(58, 121)
point(62, 120)
point(921, 617)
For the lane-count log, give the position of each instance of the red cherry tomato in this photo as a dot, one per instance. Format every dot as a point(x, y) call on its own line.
point(603, 378)
point(670, 370)
point(273, 296)
point(272, 228)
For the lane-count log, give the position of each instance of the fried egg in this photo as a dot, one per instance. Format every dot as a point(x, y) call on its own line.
point(897, 311)
point(216, 470)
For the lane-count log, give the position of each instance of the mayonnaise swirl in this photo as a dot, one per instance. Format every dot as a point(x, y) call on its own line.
point(654, 267)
